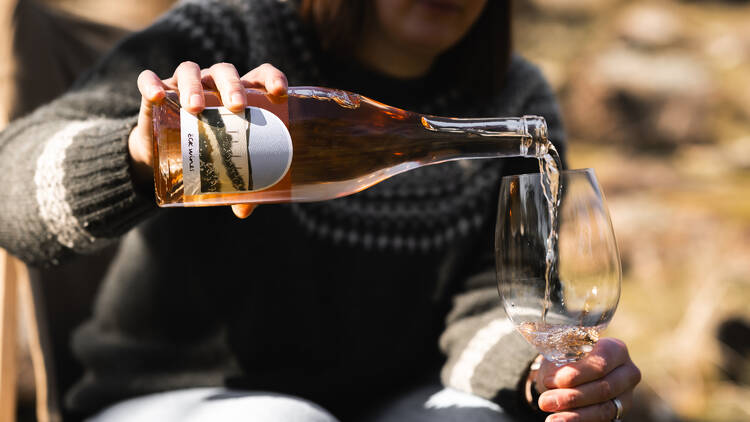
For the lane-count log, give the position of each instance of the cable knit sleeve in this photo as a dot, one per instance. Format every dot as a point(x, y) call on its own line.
point(486, 356)
point(66, 184)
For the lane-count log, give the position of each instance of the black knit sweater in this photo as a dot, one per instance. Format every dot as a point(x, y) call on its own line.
point(340, 302)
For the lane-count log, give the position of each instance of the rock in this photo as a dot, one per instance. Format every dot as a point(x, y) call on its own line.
point(648, 406)
point(653, 75)
point(650, 26)
point(733, 335)
point(641, 99)
point(728, 51)
point(737, 153)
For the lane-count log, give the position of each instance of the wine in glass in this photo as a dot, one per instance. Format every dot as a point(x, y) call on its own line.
point(558, 273)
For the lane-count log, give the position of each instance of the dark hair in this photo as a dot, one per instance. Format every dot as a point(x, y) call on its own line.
point(480, 59)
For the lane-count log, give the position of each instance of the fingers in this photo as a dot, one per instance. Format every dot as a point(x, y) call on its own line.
point(267, 77)
point(188, 78)
point(190, 81)
point(622, 379)
point(152, 91)
point(583, 391)
point(607, 355)
point(243, 210)
point(227, 81)
point(151, 86)
point(600, 412)
point(139, 141)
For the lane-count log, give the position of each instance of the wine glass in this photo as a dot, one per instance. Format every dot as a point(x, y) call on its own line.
point(561, 318)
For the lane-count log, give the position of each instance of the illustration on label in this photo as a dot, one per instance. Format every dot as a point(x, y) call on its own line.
point(229, 152)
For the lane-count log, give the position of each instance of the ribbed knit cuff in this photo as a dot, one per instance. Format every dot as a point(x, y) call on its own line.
point(84, 186)
point(486, 355)
point(103, 196)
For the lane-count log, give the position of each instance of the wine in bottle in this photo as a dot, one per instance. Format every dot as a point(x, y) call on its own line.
point(314, 144)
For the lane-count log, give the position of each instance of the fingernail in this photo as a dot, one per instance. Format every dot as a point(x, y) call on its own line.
point(196, 100)
point(548, 403)
point(237, 99)
point(556, 419)
point(153, 92)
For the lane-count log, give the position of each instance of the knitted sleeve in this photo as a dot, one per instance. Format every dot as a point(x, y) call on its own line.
point(486, 356)
point(66, 183)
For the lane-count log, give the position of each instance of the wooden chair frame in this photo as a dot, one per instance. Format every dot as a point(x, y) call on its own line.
point(16, 303)
point(8, 334)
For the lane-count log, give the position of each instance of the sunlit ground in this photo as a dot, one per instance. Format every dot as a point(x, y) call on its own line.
point(671, 148)
point(685, 250)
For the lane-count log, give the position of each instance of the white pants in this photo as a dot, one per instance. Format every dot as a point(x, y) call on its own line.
point(432, 403)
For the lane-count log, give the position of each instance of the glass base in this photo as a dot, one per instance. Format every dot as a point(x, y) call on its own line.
point(566, 356)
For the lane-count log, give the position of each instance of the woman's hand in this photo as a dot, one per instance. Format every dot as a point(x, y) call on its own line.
point(583, 391)
point(189, 81)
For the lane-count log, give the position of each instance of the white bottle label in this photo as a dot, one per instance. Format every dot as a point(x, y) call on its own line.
point(233, 152)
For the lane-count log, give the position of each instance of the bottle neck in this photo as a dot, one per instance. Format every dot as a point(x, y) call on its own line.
point(492, 137)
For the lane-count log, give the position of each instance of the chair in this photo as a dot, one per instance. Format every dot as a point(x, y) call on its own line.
point(61, 39)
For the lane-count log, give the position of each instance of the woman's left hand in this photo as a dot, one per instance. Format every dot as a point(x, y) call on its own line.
point(583, 391)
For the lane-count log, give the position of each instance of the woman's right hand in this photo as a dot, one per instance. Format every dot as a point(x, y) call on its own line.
point(585, 391)
point(189, 80)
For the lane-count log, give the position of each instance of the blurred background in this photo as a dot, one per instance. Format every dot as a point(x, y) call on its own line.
point(656, 98)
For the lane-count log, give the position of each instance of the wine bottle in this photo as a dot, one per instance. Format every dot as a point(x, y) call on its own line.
point(314, 144)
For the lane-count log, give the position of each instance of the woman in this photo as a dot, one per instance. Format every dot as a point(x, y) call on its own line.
point(337, 304)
